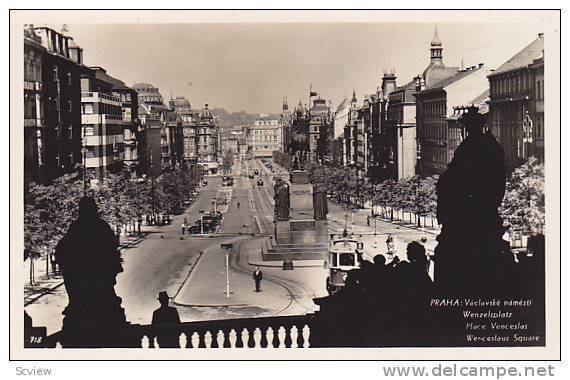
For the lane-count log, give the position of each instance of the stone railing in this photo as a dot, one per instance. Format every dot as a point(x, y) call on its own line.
point(271, 332)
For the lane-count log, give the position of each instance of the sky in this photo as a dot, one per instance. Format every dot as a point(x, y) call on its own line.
point(251, 67)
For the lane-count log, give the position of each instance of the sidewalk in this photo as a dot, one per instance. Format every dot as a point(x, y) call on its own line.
point(43, 285)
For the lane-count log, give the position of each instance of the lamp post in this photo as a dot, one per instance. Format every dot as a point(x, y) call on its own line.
point(201, 222)
point(47, 262)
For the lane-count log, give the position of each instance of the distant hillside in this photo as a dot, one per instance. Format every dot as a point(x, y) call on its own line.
point(235, 118)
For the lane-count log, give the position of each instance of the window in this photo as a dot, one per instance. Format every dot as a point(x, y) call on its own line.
point(87, 108)
point(55, 73)
point(69, 78)
point(70, 105)
point(88, 130)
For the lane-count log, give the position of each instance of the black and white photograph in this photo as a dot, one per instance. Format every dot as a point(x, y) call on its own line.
point(285, 184)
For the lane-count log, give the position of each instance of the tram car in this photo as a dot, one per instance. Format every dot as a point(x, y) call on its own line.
point(344, 256)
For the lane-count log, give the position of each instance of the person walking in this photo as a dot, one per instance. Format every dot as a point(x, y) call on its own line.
point(238, 205)
point(390, 244)
point(257, 277)
point(165, 320)
point(184, 226)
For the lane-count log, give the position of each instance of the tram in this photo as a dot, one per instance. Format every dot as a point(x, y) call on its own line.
point(345, 255)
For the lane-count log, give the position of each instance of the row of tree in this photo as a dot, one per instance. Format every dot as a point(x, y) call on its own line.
point(523, 207)
point(122, 200)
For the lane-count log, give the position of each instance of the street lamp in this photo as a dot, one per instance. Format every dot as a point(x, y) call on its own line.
point(201, 222)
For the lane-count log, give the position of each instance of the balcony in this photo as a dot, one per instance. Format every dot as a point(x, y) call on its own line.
point(97, 97)
point(257, 333)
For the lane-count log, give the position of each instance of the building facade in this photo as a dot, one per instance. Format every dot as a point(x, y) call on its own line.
point(265, 136)
point(102, 123)
point(434, 107)
point(516, 108)
point(52, 105)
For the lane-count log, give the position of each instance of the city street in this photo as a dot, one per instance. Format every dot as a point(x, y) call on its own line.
point(192, 268)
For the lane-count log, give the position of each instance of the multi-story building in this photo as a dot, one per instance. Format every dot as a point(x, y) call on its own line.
point(33, 107)
point(149, 148)
point(516, 104)
point(401, 119)
point(129, 108)
point(102, 123)
point(265, 137)
point(434, 105)
point(52, 105)
point(320, 130)
point(207, 140)
point(149, 95)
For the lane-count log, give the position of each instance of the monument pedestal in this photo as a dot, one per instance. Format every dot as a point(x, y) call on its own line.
point(301, 213)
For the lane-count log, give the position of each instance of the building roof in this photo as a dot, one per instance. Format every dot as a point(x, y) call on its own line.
point(101, 74)
point(409, 89)
point(459, 74)
point(344, 104)
point(524, 57)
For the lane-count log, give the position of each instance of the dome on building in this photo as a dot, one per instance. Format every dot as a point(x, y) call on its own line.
point(181, 101)
point(206, 113)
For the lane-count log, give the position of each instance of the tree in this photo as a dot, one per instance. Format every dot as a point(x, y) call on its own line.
point(523, 204)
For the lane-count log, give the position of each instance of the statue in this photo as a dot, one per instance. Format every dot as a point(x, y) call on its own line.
point(469, 194)
point(282, 200)
point(90, 261)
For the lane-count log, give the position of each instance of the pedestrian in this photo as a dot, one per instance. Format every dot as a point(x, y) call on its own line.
point(165, 321)
point(238, 204)
point(390, 244)
point(368, 221)
point(257, 277)
point(184, 226)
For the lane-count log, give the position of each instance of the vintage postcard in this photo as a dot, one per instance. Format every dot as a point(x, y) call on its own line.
point(285, 185)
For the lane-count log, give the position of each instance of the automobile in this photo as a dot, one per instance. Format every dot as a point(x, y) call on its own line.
point(256, 172)
point(208, 227)
point(260, 182)
point(251, 176)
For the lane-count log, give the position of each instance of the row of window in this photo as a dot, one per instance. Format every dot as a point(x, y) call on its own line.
point(435, 131)
point(433, 109)
point(506, 85)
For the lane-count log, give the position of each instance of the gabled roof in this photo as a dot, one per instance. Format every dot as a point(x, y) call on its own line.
point(454, 78)
point(524, 57)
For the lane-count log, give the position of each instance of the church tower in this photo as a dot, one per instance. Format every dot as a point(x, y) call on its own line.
point(436, 49)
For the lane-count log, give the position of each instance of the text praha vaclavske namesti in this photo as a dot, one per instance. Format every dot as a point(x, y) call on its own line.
point(491, 320)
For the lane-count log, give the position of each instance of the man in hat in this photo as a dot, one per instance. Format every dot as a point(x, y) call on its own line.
point(165, 320)
point(257, 276)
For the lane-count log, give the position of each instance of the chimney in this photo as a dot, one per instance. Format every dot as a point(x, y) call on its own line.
point(540, 35)
point(418, 81)
point(481, 65)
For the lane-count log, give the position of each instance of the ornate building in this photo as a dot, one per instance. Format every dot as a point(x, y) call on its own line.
point(52, 105)
point(438, 90)
point(516, 108)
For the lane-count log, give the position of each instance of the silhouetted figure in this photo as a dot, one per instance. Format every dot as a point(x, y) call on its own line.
point(469, 194)
point(282, 200)
point(89, 260)
point(257, 277)
point(320, 202)
point(165, 321)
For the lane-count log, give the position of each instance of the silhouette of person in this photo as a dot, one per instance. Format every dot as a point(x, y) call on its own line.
point(89, 260)
point(165, 321)
point(184, 226)
point(257, 277)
